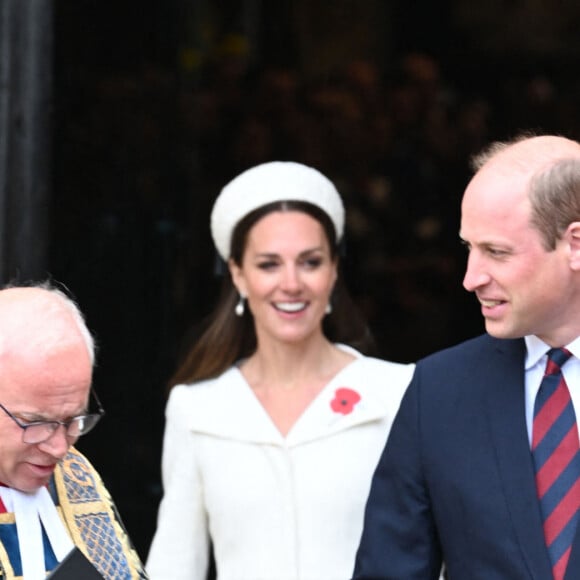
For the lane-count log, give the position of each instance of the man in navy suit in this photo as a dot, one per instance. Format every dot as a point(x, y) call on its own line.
point(456, 481)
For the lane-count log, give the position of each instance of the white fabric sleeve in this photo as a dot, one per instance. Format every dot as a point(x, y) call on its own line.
point(181, 542)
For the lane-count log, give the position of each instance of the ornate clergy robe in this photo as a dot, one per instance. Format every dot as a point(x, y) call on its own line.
point(90, 518)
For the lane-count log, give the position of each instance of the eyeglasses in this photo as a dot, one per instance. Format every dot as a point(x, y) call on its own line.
point(35, 432)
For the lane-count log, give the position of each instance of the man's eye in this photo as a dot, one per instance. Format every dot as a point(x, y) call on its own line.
point(496, 253)
point(31, 423)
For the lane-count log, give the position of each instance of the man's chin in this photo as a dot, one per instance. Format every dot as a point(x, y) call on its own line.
point(500, 330)
point(37, 476)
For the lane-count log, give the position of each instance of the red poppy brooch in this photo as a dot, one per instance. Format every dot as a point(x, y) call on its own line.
point(344, 400)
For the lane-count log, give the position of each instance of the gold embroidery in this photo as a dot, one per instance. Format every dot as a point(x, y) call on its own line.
point(90, 516)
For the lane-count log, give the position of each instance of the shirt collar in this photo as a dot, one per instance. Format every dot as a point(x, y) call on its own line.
point(537, 348)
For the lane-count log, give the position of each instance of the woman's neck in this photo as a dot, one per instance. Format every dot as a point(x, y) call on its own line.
point(286, 380)
point(291, 366)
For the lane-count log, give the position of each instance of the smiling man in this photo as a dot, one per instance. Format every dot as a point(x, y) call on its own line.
point(482, 467)
point(51, 498)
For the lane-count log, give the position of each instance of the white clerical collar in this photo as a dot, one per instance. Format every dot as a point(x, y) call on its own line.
point(30, 509)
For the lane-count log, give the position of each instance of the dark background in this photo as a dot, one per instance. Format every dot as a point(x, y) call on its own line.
point(154, 106)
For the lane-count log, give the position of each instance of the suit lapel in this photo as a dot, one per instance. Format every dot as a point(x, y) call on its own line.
point(573, 569)
point(505, 401)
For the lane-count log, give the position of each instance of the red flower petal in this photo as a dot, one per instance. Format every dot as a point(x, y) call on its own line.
point(344, 400)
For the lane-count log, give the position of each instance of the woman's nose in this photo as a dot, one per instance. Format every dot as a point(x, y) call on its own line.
point(290, 279)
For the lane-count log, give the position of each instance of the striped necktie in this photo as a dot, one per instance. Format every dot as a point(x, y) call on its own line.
point(556, 456)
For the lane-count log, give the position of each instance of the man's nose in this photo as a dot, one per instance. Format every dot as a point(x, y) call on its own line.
point(58, 443)
point(475, 273)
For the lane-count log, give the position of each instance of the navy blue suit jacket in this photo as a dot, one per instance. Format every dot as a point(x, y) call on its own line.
point(455, 482)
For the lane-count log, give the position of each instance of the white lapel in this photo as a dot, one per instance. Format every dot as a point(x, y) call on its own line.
point(227, 407)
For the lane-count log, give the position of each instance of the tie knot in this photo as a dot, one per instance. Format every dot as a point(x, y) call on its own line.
point(556, 359)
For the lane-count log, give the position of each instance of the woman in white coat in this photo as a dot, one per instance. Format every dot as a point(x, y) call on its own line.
point(277, 419)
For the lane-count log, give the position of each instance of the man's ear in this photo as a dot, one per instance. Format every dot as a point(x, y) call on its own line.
point(573, 237)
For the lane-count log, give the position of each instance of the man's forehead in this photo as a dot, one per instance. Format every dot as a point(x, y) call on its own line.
point(32, 321)
point(534, 154)
point(26, 303)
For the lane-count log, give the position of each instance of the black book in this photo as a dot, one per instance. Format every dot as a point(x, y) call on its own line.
point(74, 567)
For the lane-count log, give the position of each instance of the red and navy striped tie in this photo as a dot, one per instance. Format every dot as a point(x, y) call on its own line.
point(556, 457)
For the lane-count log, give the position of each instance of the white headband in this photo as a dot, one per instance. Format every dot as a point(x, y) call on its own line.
point(268, 183)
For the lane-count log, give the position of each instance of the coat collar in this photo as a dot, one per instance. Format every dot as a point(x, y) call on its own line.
point(227, 407)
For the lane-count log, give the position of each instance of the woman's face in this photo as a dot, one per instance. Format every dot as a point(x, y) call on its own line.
point(287, 275)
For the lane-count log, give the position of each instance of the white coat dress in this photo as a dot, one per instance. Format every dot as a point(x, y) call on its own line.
point(275, 507)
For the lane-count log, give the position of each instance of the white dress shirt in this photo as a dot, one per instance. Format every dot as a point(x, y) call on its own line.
point(536, 359)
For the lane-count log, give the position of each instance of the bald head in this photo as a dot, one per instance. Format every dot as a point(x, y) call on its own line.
point(541, 172)
point(527, 153)
point(37, 320)
point(520, 219)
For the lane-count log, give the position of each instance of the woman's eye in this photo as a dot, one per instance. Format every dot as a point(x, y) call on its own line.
point(270, 265)
point(313, 262)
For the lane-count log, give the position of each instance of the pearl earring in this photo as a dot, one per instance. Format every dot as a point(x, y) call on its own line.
point(239, 310)
point(328, 308)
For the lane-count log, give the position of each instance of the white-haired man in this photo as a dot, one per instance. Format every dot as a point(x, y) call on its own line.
point(52, 501)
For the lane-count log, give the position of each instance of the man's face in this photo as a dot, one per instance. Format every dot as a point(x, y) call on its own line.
point(522, 288)
point(34, 387)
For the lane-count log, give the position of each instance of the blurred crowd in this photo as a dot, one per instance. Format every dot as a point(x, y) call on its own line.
point(140, 156)
point(397, 143)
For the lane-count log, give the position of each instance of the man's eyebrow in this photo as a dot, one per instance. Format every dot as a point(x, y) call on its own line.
point(30, 417)
point(37, 418)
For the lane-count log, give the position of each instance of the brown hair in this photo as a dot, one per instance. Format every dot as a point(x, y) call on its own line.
point(555, 200)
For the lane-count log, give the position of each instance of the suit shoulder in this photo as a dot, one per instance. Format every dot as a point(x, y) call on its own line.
point(471, 350)
point(466, 366)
